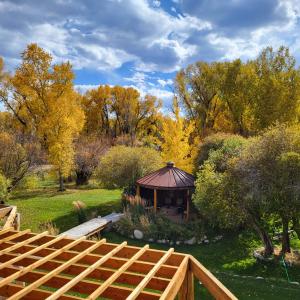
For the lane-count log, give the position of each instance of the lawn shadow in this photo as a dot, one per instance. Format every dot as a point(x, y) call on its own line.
point(70, 220)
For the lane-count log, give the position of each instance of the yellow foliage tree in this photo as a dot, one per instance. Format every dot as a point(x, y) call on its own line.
point(43, 99)
point(177, 143)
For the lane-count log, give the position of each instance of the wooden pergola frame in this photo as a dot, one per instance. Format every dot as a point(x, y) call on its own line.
point(41, 266)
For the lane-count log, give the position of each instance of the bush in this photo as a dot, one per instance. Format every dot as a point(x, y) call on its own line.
point(4, 184)
point(121, 166)
point(29, 182)
point(216, 142)
point(156, 226)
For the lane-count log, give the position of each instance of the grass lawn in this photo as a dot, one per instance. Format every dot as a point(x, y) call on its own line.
point(45, 205)
point(229, 259)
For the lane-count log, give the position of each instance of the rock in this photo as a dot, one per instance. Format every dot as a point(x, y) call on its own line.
point(295, 282)
point(199, 242)
point(191, 241)
point(151, 240)
point(259, 278)
point(138, 234)
point(206, 241)
point(178, 242)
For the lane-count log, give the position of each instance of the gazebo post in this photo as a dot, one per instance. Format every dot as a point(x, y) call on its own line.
point(138, 192)
point(188, 204)
point(155, 200)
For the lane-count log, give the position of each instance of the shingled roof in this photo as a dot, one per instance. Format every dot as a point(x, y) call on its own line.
point(168, 177)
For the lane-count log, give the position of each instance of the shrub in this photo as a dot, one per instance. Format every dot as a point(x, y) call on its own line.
point(218, 141)
point(50, 227)
point(4, 184)
point(121, 166)
point(29, 182)
point(156, 226)
point(80, 209)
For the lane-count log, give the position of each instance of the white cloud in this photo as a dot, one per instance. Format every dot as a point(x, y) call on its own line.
point(156, 3)
point(163, 82)
point(83, 88)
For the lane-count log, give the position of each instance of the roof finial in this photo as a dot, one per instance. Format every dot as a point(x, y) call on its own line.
point(170, 164)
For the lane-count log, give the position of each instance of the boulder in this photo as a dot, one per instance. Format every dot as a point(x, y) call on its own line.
point(191, 241)
point(138, 234)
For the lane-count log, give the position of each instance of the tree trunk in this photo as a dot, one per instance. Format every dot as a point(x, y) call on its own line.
point(296, 226)
point(61, 183)
point(286, 247)
point(82, 178)
point(269, 249)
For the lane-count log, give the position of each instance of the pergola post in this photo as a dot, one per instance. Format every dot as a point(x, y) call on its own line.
point(155, 200)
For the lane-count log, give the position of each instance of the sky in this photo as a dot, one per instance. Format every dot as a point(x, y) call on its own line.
point(143, 43)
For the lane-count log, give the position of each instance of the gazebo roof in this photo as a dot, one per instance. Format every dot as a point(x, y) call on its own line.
point(168, 177)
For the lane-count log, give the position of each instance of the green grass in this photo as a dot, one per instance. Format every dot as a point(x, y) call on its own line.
point(48, 204)
point(229, 259)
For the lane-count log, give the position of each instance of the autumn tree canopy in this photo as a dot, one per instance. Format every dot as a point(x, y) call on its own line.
point(42, 98)
point(241, 97)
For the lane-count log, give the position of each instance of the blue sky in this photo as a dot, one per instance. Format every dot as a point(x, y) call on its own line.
point(143, 43)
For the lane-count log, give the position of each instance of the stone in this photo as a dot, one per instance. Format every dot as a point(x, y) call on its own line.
point(259, 278)
point(138, 234)
point(151, 240)
point(206, 241)
point(178, 242)
point(191, 241)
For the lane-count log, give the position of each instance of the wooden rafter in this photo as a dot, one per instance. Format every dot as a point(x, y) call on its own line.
point(60, 268)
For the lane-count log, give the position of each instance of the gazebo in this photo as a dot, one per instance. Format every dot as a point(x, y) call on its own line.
point(168, 188)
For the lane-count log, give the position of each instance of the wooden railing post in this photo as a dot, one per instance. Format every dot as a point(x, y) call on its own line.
point(187, 291)
point(210, 282)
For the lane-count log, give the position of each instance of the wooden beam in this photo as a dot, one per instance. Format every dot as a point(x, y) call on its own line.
point(155, 200)
point(56, 271)
point(11, 218)
point(141, 267)
point(11, 289)
point(14, 236)
point(112, 278)
point(83, 287)
point(214, 286)
point(21, 244)
point(3, 231)
point(175, 284)
point(101, 273)
point(148, 277)
point(38, 263)
point(85, 273)
point(187, 290)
